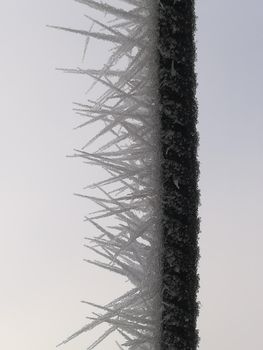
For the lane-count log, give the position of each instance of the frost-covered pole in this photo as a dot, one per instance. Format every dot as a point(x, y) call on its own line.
point(179, 174)
point(147, 114)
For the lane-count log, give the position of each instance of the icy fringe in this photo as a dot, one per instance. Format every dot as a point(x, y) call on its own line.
point(130, 112)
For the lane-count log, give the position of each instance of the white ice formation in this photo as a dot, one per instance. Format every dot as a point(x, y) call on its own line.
point(129, 111)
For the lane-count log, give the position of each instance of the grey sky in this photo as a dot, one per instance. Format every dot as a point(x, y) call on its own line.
point(230, 73)
point(43, 277)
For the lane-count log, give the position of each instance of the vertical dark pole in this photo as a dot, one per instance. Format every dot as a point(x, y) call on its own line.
point(180, 171)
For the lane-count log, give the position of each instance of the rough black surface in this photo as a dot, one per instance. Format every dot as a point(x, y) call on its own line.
point(180, 170)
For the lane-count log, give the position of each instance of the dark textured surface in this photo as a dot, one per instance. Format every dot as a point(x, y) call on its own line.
point(180, 171)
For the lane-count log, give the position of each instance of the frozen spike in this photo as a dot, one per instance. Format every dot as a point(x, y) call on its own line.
point(128, 325)
point(97, 199)
point(111, 180)
point(98, 252)
point(87, 43)
point(101, 338)
point(96, 35)
point(105, 266)
point(119, 346)
point(96, 305)
point(114, 212)
point(112, 10)
point(126, 296)
point(103, 131)
point(116, 33)
point(80, 331)
point(116, 89)
point(91, 71)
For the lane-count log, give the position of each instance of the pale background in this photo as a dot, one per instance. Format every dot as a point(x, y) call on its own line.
point(43, 277)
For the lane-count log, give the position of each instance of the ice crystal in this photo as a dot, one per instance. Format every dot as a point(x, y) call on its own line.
point(131, 156)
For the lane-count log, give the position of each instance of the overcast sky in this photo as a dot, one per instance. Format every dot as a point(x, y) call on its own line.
point(43, 277)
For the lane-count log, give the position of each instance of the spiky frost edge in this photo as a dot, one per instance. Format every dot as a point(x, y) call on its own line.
point(129, 111)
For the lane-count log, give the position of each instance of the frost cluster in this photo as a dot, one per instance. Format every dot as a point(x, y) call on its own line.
point(130, 154)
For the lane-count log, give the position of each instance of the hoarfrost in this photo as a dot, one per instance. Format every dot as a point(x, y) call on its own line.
point(129, 111)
